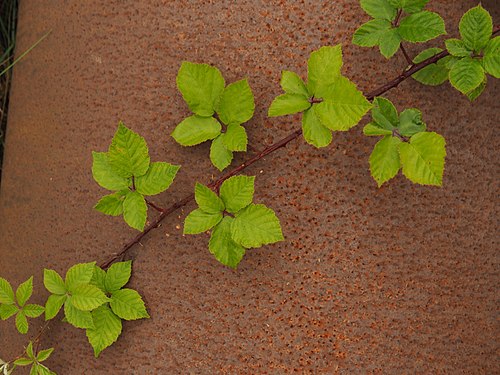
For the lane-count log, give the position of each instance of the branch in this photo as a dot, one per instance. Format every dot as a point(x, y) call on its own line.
point(407, 57)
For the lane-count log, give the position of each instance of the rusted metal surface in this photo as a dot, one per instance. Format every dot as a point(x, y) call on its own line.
point(401, 279)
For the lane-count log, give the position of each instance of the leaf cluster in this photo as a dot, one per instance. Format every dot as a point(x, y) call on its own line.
point(34, 360)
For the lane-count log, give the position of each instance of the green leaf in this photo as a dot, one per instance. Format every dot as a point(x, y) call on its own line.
point(207, 200)
point(108, 328)
point(423, 158)
point(315, 133)
point(373, 129)
point(201, 86)
point(6, 292)
point(291, 83)
point(491, 59)
point(466, 74)
point(77, 318)
point(44, 354)
point(370, 33)
point(237, 192)
point(104, 175)
point(379, 9)
point(475, 28)
point(384, 114)
point(323, 68)
point(288, 104)
point(389, 42)
point(88, 297)
point(235, 138)
point(23, 362)
point(53, 305)
point(194, 130)
point(43, 370)
point(78, 274)
point(256, 225)
point(421, 27)
point(237, 104)
point(21, 322)
point(99, 278)
point(128, 304)
point(118, 275)
point(33, 310)
point(473, 95)
point(456, 47)
point(409, 6)
point(220, 156)
point(222, 246)
point(410, 122)
point(433, 74)
point(384, 160)
point(128, 153)
point(343, 107)
point(6, 311)
point(157, 179)
point(135, 210)
point(199, 221)
point(29, 351)
point(111, 204)
point(53, 282)
point(24, 291)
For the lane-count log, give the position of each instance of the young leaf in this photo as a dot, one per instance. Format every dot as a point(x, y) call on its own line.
point(194, 130)
point(33, 310)
point(201, 86)
point(29, 351)
point(108, 328)
point(88, 297)
point(23, 362)
point(235, 138)
point(104, 175)
point(433, 74)
point(379, 9)
point(410, 122)
point(237, 192)
point(370, 33)
point(135, 210)
point(111, 204)
point(128, 304)
point(466, 74)
point(43, 370)
point(44, 354)
point(409, 6)
point(6, 311)
point(128, 153)
point(323, 67)
point(21, 322)
point(456, 47)
point(384, 114)
point(199, 221)
point(491, 59)
point(118, 275)
point(288, 104)
point(421, 27)
point(53, 305)
point(315, 133)
point(389, 43)
point(24, 291)
point(236, 104)
point(256, 225)
point(207, 200)
point(384, 160)
point(157, 179)
point(291, 83)
point(222, 246)
point(220, 156)
point(99, 278)
point(78, 274)
point(6, 292)
point(374, 129)
point(77, 318)
point(423, 158)
point(475, 28)
point(53, 282)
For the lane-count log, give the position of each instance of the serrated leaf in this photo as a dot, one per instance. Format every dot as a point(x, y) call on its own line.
point(370, 33)
point(421, 27)
point(53, 282)
point(135, 210)
point(78, 274)
point(157, 179)
point(111, 204)
point(323, 68)
point(236, 104)
point(194, 130)
point(491, 59)
point(343, 107)
point(475, 28)
point(222, 246)
point(314, 132)
point(6, 292)
point(6, 311)
point(77, 318)
point(201, 86)
point(23, 362)
point(384, 159)
point(99, 278)
point(53, 305)
point(410, 122)
point(373, 129)
point(256, 225)
point(474, 94)
point(220, 156)
point(379, 9)
point(33, 310)
point(108, 328)
point(409, 6)
point(24, 291)
point(423, 158)
point(128, 153)
point(44, 354)
point(207, 200)
point(88, 297)
point(237, 192)
point(118, 275)
point(466, 74)
point(291, 83)
point(104, 175)
point(128, 304)
point(235, 138)
point(384, 114)
point(456, 47)
point(29, 351)
point(199, 221)
point(21, 322)
point(389, 42)
point(288, 104)
point(433, 74)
